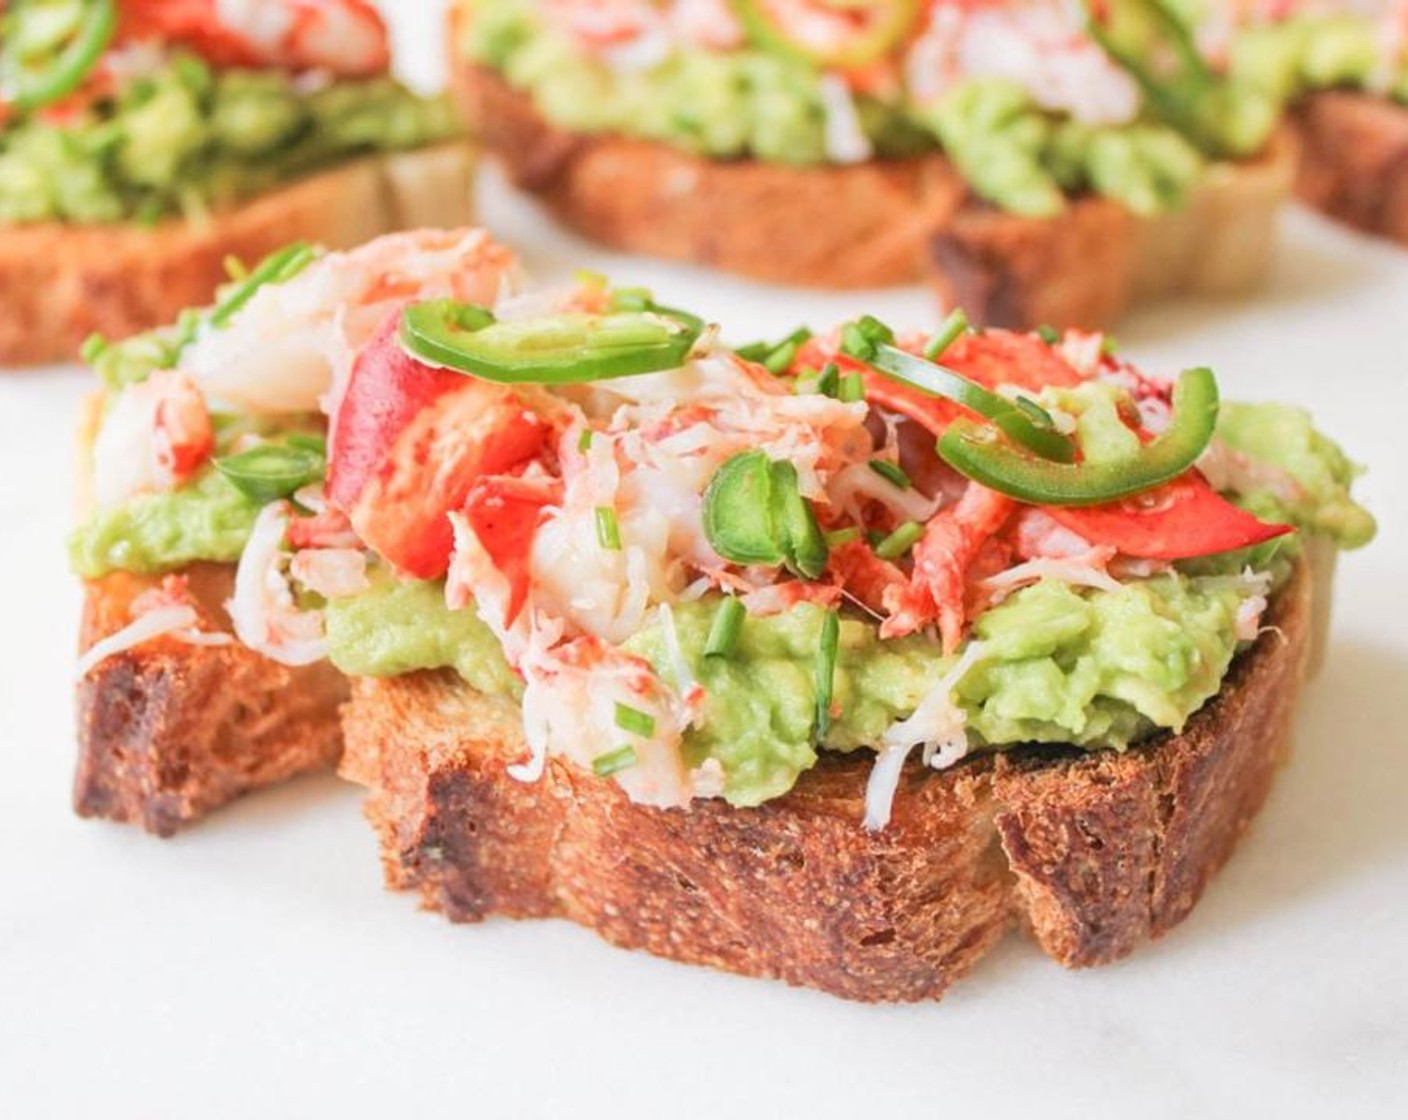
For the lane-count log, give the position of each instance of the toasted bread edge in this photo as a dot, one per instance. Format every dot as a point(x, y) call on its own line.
point(1093, 854)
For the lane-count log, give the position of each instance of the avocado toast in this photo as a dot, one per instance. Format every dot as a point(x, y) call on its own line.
point(198, 427)
point(997, 149)
point(825, 659)
point(1342, 67)
point(143, 144)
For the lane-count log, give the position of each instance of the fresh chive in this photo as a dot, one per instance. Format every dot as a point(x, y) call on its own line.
point(826, 670)
point(584, 441)
point(781, 357)
point(634, 721)
point(1109, 345)
point(953, 326)
point(828, 382)
point(1048, 334)
point(235, 268)
point(900, 541)
point(723, 634)
point(852, 388)
point(891, 472)
point(276, 268)
point(604, 765)
point(754, 351)
point(94, 347)
point(837, 537)
point(608, 530)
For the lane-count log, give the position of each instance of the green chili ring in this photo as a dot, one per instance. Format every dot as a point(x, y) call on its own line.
point(564, 349)
point(979, 452)
point(74, 63)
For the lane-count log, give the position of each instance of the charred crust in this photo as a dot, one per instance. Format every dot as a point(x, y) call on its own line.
point(168, 732)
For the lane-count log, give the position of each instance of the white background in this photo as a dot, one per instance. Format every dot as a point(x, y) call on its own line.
point(255, 967)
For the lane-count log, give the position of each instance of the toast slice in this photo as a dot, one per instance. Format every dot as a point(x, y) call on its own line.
point(1091, 853)
point(885, 223)
point(60, 283)
point(1355, 165)
point(169, 731)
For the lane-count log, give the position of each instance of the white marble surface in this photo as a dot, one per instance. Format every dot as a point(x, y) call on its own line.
point(255, 967)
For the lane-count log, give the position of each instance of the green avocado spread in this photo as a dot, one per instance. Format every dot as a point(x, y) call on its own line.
point(770, 105)
point(1309, 52)
point(1097, 668)
point(186, 139)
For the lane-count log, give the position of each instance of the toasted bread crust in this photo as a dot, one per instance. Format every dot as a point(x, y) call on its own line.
point(1355, 165)
point(1094, 854)
point(60, 283)
point(169, 731)
point(885, 222)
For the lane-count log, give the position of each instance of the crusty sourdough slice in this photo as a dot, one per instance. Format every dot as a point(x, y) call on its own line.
point(1092, 853)
point(1355, 161)
point(885, 222)
point(60, 283)
point(168, 731)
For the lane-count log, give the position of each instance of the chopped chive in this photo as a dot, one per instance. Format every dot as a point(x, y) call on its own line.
point(826, 670)
point(953, 326)
point(94, 346)
point(754, 351)
point(604, 765)
point(235, 268)
point(723, 634)
point(828, 382)
point(1048, 334)
point(608, 530)
point(584, 441)
point(852, 388)
point(900, 541)
point(780, 358)
point(891, 472)
point(838, 537)
point(635, 721)
point(1109, 344)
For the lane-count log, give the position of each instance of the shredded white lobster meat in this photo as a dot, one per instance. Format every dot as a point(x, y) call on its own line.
point(938, 723)
point(177, 621)
point(846, 141)
point(333, 573)
point(291, 347)
point(1089, 572)
point(263, 610)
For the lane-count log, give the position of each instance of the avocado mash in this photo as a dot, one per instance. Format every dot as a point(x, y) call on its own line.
point(207, 519)
point(1098, 668)
point(771, 105)
point(186, 139)
point(1308, 52)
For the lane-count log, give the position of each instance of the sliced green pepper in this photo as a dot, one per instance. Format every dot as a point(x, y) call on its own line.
point(979, 452)
point(881, 26)
point(272, 471)
point(563, 349)
point(872, 342)
point(33, 89)
point(754, 513)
